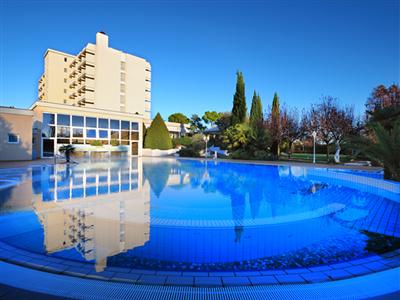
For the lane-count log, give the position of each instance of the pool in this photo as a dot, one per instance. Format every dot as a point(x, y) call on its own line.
point(171, 217)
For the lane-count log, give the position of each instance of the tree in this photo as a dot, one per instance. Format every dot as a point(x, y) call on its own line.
point(224, 121)
point(178, 118)
point(256, 114)
point(383, 147)
point(291, 129)
point(239, 109)
point(341, 125)
point(384, 105)
point(157, 135)
point(196, 124)
point(210, 117)
point(331, 123)
point(236, 136)
point(275, 126)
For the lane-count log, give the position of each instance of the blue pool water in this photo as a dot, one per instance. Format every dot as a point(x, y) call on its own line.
point(171, 214)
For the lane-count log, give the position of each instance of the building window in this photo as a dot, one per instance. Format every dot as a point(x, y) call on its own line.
point(48, 119)
point(65, 70)
point(134, 126)
point(63, 119)
point(91, 133)
point(63, 131)
point(48, 131)
point(114, 124)
point(114, 134)
point(65, 80)
point(91, 122)
point(122, 65)
point(77, 121)
point(103, 123)
point(124, 135)
point(13, 138)
point(65, 91)
point(77, 132)
point(125, 125)
point(103, 134)
point(65, 59)
point(134, 136)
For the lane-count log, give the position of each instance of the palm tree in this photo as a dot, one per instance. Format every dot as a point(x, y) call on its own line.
point(382, 148)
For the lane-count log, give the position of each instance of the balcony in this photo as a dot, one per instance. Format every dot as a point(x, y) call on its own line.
point(73, 73)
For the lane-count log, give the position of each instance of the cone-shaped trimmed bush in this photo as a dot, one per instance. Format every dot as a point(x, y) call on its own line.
point(157, 135)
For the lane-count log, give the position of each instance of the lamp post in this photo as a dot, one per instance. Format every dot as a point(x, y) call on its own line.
point(314, 135)
point(206, 138)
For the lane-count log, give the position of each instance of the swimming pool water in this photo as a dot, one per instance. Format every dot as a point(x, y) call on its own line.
point(178, 214)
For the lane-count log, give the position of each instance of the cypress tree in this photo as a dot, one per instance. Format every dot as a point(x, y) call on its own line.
point(239, 109)
point(256, 114)
point(275, 125)
point(157, 135)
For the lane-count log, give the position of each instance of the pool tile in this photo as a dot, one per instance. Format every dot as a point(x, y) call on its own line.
point(236, 281)
point(151, 279)
point(118, 270)
point(54, 268)
point(169, 273)
point(128, 277)
point(195, 274)
point(248, 273)
point(263, 280)
point(207, 281)
point(358, 270)
point(146, 272)
point(273, 272)
point(297, 271)
point(284, 279)
point(75, 271)
point(376, 266)
point(341, 265)
point(180, 280)
point(320, 268)
point(222, 274)
point(100, 275)
point(338, 274)
point(315, 277)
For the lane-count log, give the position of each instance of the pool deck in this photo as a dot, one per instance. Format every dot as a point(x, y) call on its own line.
point(20, 281)
point(47, 161)
point(309, 275)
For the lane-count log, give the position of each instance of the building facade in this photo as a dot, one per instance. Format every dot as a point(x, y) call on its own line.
point(16, 134)
point(97, 100)
point(98, 77)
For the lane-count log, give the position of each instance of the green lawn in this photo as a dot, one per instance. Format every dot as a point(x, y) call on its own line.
point(320, 158)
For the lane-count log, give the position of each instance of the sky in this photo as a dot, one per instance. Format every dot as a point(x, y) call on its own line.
point(301, 49)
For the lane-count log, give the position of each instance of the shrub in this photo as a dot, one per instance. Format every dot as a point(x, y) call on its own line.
point(182, 141)
point(157, 135)
point(96, 143)
point(114, 143)
point(189, 152)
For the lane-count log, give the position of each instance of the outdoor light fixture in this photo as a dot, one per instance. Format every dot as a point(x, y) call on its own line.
point(206, 139)
point(314, 135)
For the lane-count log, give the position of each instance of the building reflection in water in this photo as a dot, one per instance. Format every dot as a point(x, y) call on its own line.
point(100, 209)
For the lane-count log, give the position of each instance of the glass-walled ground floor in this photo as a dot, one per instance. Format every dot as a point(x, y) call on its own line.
point(90, 135)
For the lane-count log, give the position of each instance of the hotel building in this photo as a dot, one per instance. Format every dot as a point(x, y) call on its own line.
point(101, 96)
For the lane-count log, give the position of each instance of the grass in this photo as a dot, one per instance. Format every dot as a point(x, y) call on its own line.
point(319, 158)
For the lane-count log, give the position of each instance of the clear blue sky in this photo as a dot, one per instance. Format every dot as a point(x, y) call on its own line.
point(299, 49)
